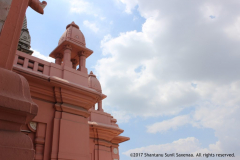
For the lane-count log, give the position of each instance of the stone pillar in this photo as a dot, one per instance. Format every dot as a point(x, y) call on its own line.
point(16, 109)
point(40, 141)
point(11, 28)
point(74, 63)
point(58, 58)
point(67, 56)
point(82, 62)
point(5, 7)
point(71, 129)
point(16, 105)
point(100, 105)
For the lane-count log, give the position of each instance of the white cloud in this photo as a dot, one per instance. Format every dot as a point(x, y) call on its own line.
point(188, 145)
point(168, 124)
point(233, 30)
point(130, 5)
point(80, 6)
point(151, 72)
point(85, 7)
point(121, 117)
point(91, 26)
point(41, 56)
point(172, 52)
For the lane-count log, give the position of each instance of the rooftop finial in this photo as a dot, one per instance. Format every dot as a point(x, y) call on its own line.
point(72, 24)
point(91, 74)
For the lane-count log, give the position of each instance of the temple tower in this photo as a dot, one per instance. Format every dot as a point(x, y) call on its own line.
point(24, 43)
point(71, 50)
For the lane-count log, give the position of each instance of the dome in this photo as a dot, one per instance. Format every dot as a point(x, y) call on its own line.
point(93, 82)
point(73, 34)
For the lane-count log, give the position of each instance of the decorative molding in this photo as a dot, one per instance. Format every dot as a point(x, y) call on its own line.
point(74, 110)
point(119, 139)
point(57, 94)
point(40, 140)
point(103, 134)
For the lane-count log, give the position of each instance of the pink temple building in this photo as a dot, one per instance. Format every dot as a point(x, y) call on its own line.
point(51, 110)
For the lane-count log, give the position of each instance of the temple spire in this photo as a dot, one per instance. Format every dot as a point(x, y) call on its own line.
point(24, 43)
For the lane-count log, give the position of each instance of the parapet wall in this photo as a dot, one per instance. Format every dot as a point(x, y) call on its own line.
point(23, 60)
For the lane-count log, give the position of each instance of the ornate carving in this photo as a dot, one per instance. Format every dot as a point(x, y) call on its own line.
point(68, 47)
point(59, 55)
point(58, 58)
point(82, 53)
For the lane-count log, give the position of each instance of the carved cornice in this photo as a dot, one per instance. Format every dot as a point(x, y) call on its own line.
point(119, 139)
point(103, 131)
point(72, 109)
point(57, 94)
point(103, 142)
point(84, 100)
point(57, 90)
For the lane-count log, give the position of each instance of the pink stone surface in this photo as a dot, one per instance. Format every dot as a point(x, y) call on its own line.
point(64, 125)
point(15, 145)
point(16, 105)
point(93, 82)
point(74, 34)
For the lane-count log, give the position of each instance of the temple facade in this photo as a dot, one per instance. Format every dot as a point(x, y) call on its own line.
point(51, 110)
point(71, 123)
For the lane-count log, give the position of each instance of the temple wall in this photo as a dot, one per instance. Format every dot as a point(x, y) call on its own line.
point(50, 102)
point(102, 117)
point(42, 135)
point(44, 130)
point(66, 126)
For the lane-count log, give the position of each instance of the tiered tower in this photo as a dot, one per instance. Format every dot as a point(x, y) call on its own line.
point(24, 43)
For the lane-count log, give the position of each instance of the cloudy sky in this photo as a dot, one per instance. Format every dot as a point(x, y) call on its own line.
point(170, 68)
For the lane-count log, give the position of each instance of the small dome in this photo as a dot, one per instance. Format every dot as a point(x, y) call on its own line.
point(93, 82)
point(73, 34)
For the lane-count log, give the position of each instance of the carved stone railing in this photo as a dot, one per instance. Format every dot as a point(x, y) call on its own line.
point(30, 63)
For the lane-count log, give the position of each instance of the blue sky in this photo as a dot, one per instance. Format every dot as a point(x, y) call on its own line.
point(170, 69)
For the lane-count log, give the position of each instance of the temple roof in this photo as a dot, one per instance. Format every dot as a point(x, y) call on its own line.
point(75, 38)
point(73, 33)
point(94, 83)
